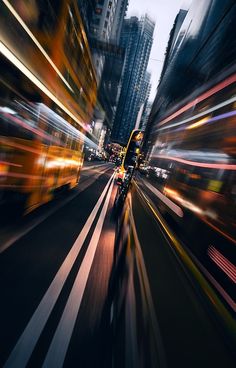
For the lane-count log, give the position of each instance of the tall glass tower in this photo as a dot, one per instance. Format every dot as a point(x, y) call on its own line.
point(136, 39)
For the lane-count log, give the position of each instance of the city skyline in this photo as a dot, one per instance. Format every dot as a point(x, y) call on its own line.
point(136, 38)
point(164, 19)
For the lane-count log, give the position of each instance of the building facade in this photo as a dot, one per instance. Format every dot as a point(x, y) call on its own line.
point(175, 39)
point(118, 21)
point(103, 21)
point(87, 9)
point(145, 115)
point(136, 39)
point(145, 88)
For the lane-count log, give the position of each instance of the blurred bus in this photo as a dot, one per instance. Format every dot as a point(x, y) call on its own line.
point(47, 96)
point(192, 142)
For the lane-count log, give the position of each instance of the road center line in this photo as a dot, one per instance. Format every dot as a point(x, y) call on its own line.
point(60, 342)
point(23, 349)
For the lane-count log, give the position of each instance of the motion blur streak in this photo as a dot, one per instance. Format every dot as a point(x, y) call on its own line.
point(194, 165)
point(9, 164)
point(26, 126)
point(20, 356)
point(11, 57)
point(198, 123)
point(58, 348)
point(16, 15)
point(176, 209)
point(196, 268)
point(199, 164)
point(216, 118)
point(200, 98)
point(216, 107)
point(228, 267)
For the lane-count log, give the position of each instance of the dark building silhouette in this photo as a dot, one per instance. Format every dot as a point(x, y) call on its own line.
point(200, 55)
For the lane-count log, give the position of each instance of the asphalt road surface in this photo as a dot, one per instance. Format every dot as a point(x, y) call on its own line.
point(84, 285)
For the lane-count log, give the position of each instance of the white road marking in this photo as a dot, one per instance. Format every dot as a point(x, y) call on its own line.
point(83, 186)
point(60, 342)
point(176, 209)
point(23, 349)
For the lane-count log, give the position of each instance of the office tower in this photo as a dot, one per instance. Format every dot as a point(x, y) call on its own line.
point(136, 39)
point(145, 88)
point(145, 115)
point(144, 96)
point(175, 39)
point(118, 21)
point(107, 19)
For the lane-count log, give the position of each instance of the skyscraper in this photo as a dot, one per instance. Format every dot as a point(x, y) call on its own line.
point(146, 112)
point(105, 25)
point(103, 21)
point(136, 39)
point(144, 96)
point(145, 88)
point(120, 13)
point(175, 39)
point(107, 19)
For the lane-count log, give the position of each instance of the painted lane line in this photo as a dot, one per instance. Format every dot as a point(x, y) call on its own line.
point(83, 185)
point(176, 209)
point(147, 294)
point(23, 349)
point(60, 342)
point(200, 273)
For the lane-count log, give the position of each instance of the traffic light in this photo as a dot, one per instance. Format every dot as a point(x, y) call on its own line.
point(133, 149)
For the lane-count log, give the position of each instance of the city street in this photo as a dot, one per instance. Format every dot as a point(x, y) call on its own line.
point(44, 270)
point(73, 296)
point(117, 184)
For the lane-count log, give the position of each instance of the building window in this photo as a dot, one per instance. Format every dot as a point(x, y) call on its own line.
point(109, 4)
point(105, 24)
point(98, 10)
point(108, 14)
point(96, 21)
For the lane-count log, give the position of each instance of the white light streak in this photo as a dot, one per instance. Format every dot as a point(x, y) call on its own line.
point(216, 107)
point(14, 60)
point(27, 30)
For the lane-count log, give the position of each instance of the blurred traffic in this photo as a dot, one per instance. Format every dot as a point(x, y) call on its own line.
point(118, 213)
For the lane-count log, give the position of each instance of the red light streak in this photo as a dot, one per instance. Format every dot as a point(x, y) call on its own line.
point(223, 263)
point(199, 164)
point(9, 164)
point(200, 98)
